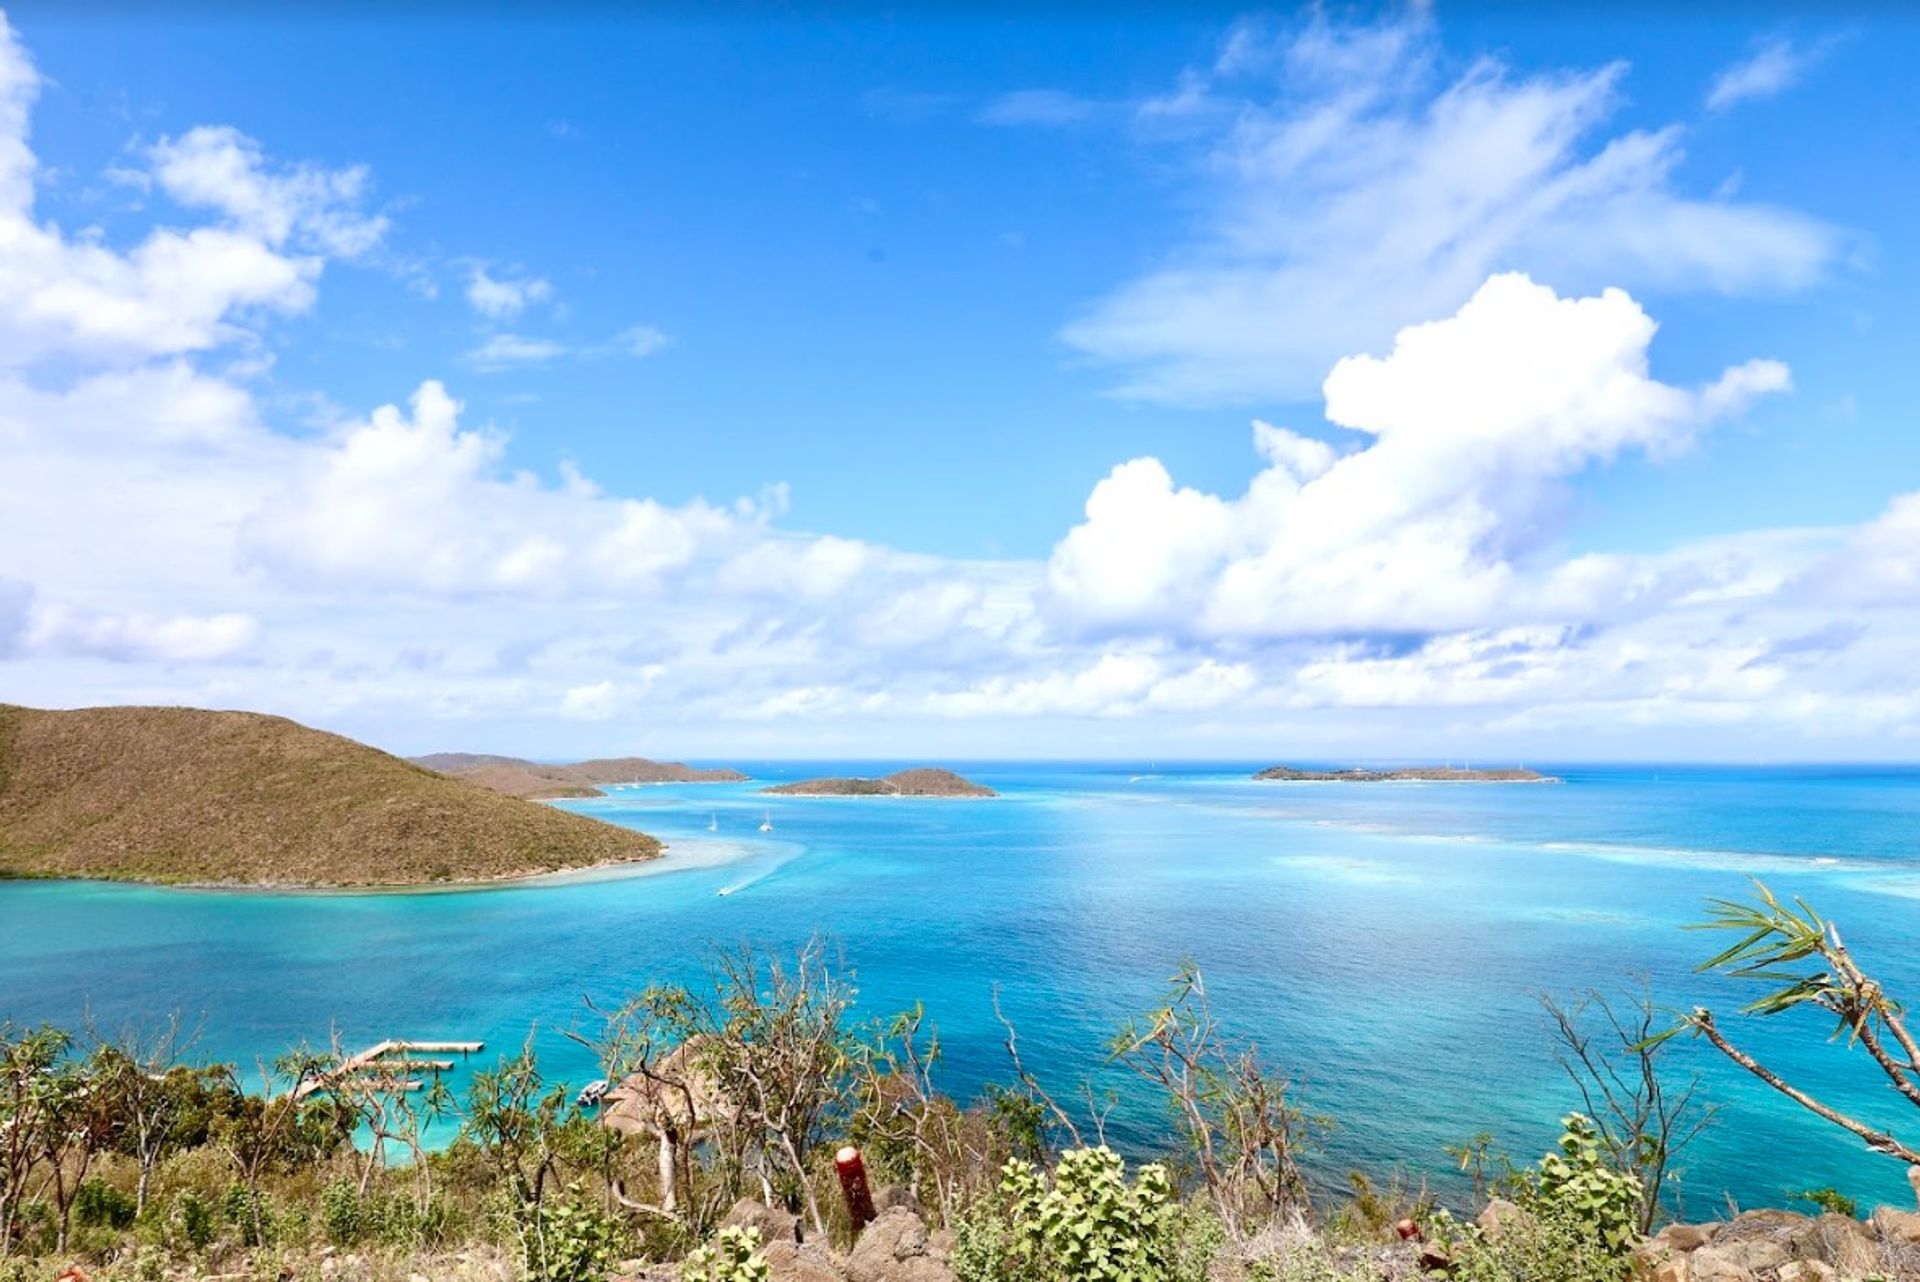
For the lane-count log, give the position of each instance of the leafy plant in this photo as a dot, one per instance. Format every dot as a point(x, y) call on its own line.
point(572, 1242)
point(1085, 1224)
point(1580, 1186)
point(193, 1217)
point(1831, 1201)
point(734, 1256)
point(98, 1204)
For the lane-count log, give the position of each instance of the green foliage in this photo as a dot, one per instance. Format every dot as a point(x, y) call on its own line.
point(568, 1240)
point(342, 1218)
point(1308, 1263)
point(1830, 1201)
point(734, 1256)
point(247, 1210)
point(1544, 1245)
point(1086, 1224)
point(194, 1219)
point(98, 1204)
point(1581, 1187)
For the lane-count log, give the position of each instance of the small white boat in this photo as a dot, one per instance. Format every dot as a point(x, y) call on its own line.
point(766, 825)
point(713, 823)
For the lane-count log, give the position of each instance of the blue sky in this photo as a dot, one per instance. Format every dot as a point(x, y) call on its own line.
point(853, 317)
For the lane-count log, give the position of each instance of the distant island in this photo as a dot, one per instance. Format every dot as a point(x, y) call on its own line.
point(1431, 774)
point(922, 782)
point(184, 796)
point(516, 777)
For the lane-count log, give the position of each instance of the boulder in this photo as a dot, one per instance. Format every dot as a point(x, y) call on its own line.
point(1497, 1215)
point(1672, 1268)
point(800, 1262)
point(1897, 1226)
point(889, 1197)
point(895, 1248)
point(1685, 1237)
point(1837, 1240)
point(1712, 1264)
point(775, 1224)
point(1807, 1271)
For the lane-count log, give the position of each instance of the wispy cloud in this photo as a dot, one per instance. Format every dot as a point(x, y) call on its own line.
point(1776, 66)
point(503, 351)
point(1038, 107)
point(1346, 189)
point(504, 297)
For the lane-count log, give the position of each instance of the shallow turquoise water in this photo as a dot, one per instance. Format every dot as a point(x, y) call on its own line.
point(1384, 943)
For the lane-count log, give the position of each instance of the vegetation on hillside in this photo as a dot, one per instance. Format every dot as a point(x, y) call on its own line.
point(922, 781)
point(520, 778)
point(179, 795)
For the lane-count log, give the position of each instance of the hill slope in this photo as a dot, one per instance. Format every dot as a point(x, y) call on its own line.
point(518, 778)
point(181, 795)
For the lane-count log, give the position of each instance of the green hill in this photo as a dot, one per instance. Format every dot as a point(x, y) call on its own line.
point(182, 795)
point(521, 778)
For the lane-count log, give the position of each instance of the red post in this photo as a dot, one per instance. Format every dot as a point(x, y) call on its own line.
point(853, 1185)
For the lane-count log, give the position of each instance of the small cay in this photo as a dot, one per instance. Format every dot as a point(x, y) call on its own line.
point(925, 781)
point(1431, 774)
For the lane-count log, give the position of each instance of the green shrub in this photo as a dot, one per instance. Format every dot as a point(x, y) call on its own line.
point(1830, 1201)
point(734, 1256)
point(1540, 1246)
point(98, 1204)
point(193, 1217)
point(342, 1217)
point(1086, 1224)
point(568, 1240)
point(248, 1212)
point(1580, 1188)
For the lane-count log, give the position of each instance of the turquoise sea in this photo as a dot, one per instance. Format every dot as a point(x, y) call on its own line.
point(1384, 943)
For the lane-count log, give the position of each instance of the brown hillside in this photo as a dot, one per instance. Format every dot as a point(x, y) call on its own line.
point(518, 778)
point(181, 795)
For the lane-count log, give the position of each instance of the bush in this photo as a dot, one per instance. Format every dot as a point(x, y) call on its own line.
point(568, 1240)
point(732, 1257)
point(98, 1204)
point(1580, 1188)
point(193, 1218)
point(1086, 1224)
point(1549, 1246)
point(1830, 1201)
point(342, 1218)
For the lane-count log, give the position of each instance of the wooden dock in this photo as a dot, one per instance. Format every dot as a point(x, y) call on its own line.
point(394, 1073)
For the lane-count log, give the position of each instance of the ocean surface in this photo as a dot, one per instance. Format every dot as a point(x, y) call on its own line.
point(1385, 944)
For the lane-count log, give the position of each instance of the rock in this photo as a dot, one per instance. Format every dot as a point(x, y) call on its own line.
point(1838, 1240)
point(1434, 1258)
point(800, 1262)
point(895, 1248)
point(940, 1243)
point(1755, 1255)
point(1711, 1264)
point(1671, 1269)
point(1497, 1215)
point(1897, 1226)
point(895, 1196)
point(775, 1224)
point(1807, 1271)
point(1686, 1237)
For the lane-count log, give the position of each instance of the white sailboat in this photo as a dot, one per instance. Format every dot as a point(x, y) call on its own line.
point(713, 823)
point(766, 825)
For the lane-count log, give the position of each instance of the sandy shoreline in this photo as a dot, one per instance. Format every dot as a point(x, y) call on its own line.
point(682, 856)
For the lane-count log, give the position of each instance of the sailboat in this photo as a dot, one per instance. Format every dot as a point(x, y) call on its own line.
point(713, 823)
point(766, 825)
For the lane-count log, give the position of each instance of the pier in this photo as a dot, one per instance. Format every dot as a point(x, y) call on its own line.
point(395, 1074)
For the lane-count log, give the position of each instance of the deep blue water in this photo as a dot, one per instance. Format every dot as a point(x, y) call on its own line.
point(1385, 944)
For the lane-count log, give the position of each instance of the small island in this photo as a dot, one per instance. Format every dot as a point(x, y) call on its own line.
point(1422, 774)
point(922, 782)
